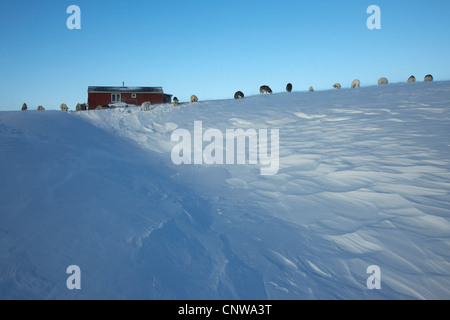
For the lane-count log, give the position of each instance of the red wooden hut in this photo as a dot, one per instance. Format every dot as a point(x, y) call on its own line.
point(101, 96)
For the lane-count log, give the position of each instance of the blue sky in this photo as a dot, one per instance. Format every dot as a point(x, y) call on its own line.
point(213, 48)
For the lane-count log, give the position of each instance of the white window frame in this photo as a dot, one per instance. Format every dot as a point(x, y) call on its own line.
point(116, 97)
point(133, 96)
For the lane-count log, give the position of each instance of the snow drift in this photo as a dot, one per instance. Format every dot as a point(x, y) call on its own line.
point(364, 180)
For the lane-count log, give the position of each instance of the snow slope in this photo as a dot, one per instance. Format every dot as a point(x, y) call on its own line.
point(364, 180)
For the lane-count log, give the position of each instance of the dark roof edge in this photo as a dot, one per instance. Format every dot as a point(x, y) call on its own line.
point(93, 89)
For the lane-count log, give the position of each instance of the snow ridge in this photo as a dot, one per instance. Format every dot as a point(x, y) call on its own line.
point(364, 180)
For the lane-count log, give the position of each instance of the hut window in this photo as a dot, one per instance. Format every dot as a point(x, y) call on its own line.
point(115, 97)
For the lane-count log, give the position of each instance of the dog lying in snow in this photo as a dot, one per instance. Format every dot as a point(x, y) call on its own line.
point(289, 87)
point(146, 106)
point(81, 107)
point(239, 95)
point(337, 86)
point(265, 89)
point(383, 81)
point(356, 83)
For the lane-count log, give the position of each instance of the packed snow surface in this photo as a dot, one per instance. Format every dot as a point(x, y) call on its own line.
point(363, 179)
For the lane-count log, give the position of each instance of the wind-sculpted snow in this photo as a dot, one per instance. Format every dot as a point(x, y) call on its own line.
point(364, 179)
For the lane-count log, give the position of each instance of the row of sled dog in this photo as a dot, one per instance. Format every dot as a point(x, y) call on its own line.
point(63, 107)
point(267, 90)
point(238, 95)
point(355, 84)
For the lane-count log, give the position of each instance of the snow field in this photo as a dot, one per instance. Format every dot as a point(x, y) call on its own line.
point(364, 180)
